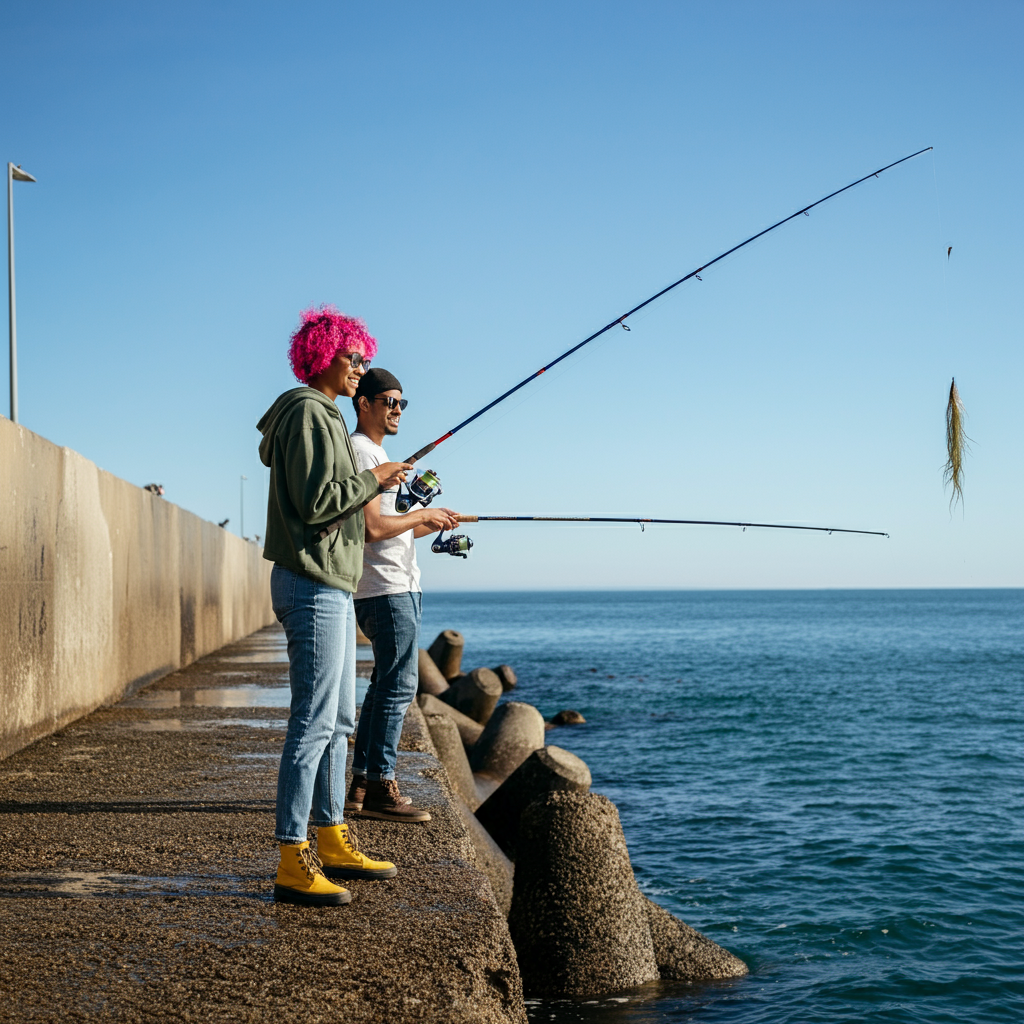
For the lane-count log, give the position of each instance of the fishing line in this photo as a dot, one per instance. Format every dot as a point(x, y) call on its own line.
point(957, 440)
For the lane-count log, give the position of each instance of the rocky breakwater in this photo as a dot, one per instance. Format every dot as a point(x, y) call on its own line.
point(555, 853)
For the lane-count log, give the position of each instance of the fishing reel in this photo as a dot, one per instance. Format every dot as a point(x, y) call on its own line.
point(422, 491)
point(457, 544)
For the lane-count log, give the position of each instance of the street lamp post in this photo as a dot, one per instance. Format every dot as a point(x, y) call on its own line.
point(13, 174)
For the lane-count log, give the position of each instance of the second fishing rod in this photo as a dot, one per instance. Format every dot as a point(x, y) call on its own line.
point(460, 545)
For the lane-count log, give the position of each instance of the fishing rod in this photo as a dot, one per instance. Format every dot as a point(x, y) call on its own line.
point(459, 544)
point(423, 490)
point(426, 486)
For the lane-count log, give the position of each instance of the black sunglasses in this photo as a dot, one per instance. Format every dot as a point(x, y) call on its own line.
point(357, 359)
point(402, 403)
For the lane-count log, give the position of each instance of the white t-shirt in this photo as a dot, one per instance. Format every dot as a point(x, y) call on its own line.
point(389, 566)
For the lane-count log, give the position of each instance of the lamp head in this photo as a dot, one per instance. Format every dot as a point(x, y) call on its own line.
point(18, 174)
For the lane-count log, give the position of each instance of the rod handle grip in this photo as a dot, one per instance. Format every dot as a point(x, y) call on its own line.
point(423, 451)
point(469, 519)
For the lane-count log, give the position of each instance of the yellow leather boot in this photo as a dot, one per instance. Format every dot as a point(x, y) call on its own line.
point(341, 857)
point(300, 879)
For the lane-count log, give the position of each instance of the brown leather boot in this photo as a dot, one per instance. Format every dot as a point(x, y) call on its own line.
point(356, 794)
point(383, 800)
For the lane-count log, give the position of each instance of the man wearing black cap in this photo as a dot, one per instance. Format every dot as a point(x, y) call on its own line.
point(387, 607)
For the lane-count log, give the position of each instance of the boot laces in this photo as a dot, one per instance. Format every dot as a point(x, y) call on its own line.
point(349, 839)
point(394, 794)
point(312, 864)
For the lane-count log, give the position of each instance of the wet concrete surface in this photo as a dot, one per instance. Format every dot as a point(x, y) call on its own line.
point(137, 863)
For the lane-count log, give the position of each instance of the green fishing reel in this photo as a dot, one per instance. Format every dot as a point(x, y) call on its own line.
point(422, 491)
point(458, 544)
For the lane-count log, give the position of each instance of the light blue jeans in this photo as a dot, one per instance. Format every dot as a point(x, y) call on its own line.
point(320, 625)
point(392, 624)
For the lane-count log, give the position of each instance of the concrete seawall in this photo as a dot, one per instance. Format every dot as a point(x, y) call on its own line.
point(104, 587)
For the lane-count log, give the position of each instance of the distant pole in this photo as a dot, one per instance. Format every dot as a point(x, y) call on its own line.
point(13, 174)
point(241, 504)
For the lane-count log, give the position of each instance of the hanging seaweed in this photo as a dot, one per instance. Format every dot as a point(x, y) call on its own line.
point(956, 445)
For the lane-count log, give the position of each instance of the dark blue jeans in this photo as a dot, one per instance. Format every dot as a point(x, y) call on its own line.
point(321, 629)
point(392, 625)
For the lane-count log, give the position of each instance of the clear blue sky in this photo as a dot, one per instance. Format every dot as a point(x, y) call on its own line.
point(486, 184)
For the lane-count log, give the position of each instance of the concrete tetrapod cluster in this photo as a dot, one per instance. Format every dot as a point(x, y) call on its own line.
point(580, 925)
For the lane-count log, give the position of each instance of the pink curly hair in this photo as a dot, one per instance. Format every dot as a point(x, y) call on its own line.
point(323, 333)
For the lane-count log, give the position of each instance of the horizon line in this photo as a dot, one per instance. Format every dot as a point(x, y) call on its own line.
point(694, 590)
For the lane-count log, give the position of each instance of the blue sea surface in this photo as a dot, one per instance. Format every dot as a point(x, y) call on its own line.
point(828, 783)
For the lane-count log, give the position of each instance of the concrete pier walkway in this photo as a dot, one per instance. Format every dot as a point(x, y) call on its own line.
point(137, 862)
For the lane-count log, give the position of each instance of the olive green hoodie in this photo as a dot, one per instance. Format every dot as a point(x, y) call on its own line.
point(313, 481)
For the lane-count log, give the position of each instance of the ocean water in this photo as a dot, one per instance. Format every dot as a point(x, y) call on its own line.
point(828, 783)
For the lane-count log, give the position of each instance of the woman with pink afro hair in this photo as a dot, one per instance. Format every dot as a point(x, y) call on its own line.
point(316, 532)
point(324, 333)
